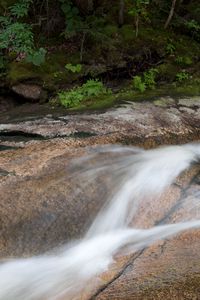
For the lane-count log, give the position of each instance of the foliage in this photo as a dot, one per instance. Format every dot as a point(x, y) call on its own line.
point(194, 28)
point(16, 36)
point(145, 82)
point(73, 20)
point(182, 76)
point(20, 9)
point(94, 87)
point(170, 47)
point(91, 88)
point(74, 68)
point(149, 78)
point(71, 98)
point(77, 25)
point(36, 57)
point(138, 7)
point(192, 25)
point(138, 84)
point(137, 10)
point(184, 61)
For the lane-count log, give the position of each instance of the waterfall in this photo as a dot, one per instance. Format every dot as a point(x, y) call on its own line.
point(138, 175)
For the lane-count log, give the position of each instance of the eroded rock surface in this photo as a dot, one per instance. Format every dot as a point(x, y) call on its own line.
point(165, 121)
point(42, 205)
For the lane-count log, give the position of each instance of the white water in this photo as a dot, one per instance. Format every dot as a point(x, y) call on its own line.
point(139, 174)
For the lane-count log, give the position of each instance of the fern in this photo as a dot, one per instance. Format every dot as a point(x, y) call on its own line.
point(20, 9)
point(138, 84)
point(17, 36)
point(92, 88)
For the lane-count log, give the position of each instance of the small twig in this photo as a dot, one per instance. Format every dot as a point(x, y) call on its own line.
point(82, 46)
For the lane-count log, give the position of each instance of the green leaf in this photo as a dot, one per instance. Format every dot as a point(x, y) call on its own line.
point(74, 68)
point(37, 57)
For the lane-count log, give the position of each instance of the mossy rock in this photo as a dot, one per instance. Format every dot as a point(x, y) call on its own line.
point(50, 74)
point(21, 71)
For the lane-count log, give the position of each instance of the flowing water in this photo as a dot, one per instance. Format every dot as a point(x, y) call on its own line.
point(137, 175)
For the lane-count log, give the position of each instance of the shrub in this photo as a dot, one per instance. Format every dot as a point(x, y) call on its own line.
point(170, 47)
point(184, 61)
point(92, 88)
point(147, 81)
point(149, 78)
point(74, 68)
point(182, 76)
point(138, 84)
point(16, 36)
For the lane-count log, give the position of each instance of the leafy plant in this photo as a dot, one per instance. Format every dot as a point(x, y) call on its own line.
point(73, 20)
point(74, 68)
point(170, 47)
point(92, 88)
point(137, 11)
point(71, 98)
point(194, 28)
point(36, 57)
point(90, 25)
point(138, 84)
point(147, 81)
point(182, 76)
point(193, 25)
point(20, 9)
point(16, 36)
point(149, 78)
point(184, 61)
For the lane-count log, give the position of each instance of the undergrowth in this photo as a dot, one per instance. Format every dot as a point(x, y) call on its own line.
point(146, 81)
point(92, 88)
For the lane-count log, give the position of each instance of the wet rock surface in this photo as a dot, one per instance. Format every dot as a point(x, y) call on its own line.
point(169, 268)
point(165, 121)
point(39, 208)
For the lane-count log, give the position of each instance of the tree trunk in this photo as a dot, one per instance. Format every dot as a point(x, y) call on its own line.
point(171, 13)
point(136, 25)
point(121, 12)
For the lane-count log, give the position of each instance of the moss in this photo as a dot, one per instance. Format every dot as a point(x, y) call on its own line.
point(164, 101)
point(189, 89)
point(50, 74)
point(101, 102)
point(19, 71)
point(97, 103)
point(161, 94)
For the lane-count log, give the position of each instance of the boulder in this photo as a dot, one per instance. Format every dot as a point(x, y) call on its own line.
point(31, 92)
